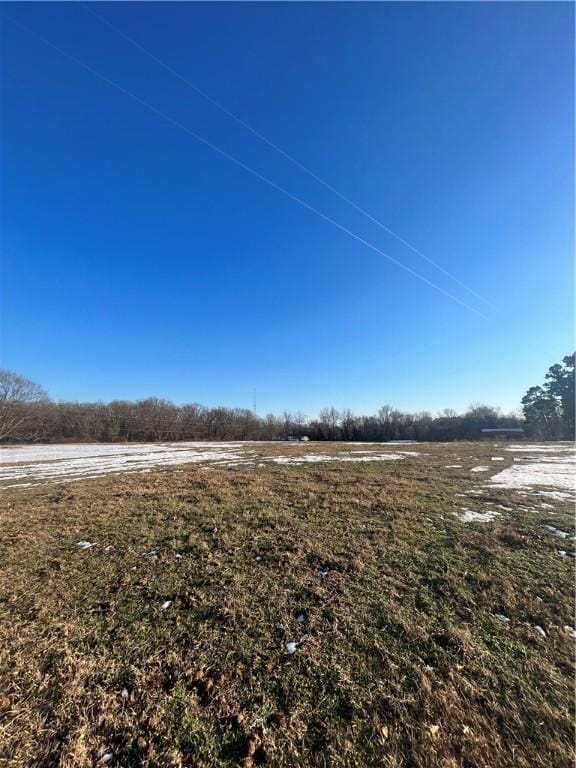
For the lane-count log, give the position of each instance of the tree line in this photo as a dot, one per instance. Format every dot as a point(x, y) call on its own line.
point(27, 414)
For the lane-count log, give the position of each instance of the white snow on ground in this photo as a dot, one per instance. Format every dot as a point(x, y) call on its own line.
point(404, 453)
point(548, 470)
point(554, 469)
point(49, 462)
point(557, 447)
point(23, 466)
point(557, 532)
point(401, 442)
point(470, 516)
point(311, 458)
point(31, 453)
point(315, 457)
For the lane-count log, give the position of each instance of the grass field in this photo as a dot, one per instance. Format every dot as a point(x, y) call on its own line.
point(165, 644)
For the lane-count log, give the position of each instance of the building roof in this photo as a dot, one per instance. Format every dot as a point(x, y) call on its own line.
point(504, 429)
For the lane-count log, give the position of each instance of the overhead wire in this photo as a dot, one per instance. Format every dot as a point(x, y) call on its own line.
point(244, 166)
point(281, 151)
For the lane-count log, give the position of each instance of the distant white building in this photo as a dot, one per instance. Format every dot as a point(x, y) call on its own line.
point(503, 432)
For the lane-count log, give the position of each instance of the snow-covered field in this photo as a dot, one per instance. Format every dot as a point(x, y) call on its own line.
point(24, 466)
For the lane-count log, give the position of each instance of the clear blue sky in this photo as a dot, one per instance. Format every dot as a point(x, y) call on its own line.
point(137, 261)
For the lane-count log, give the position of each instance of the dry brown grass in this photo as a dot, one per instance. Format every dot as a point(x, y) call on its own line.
point(405, 663)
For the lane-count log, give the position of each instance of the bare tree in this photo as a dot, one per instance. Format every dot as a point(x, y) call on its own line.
point(18, 396)
point(329, 419)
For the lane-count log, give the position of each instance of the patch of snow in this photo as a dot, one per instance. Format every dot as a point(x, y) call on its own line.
point(557, 532)
point(292, 647)
point(540, 448)
point(37, 464)
point(166, 604)
point(310, 458)
point(501, 618)
point(85, 544)
point(470, 516)
point(571, 631)
point(401, 442)
point(453, 466)
point(557, 495)
point(539, 630)
point(556, 471)
point(497, 458)
point(320, 457)
point(480, 469)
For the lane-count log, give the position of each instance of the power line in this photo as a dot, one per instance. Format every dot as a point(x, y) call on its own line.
point(283, 152)
point(243, 165)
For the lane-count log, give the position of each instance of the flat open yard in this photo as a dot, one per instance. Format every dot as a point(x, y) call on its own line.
point(287, 605)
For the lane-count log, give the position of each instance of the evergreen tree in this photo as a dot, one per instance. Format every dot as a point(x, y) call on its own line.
point(549, 409)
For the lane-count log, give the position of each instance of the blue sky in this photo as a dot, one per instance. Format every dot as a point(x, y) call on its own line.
point(137, 261)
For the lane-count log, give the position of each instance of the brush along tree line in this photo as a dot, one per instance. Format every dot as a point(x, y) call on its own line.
point(28, 414)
